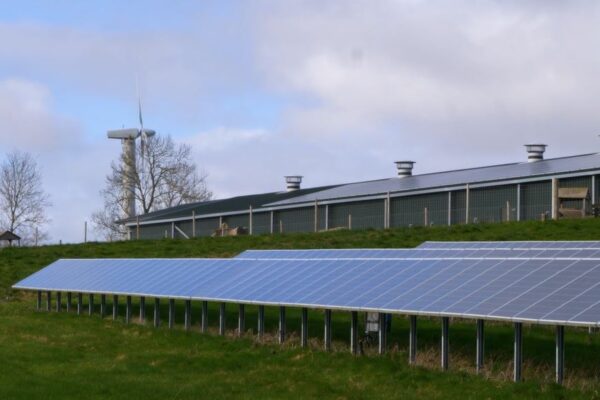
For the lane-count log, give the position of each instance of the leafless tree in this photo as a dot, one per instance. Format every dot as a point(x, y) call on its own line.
point(166, 176)
point(23, 202)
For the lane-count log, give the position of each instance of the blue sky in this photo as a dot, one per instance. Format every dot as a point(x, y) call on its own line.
point(335, 91)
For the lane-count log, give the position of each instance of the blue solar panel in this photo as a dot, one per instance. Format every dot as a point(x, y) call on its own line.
point(544, 290)
point(564, 244)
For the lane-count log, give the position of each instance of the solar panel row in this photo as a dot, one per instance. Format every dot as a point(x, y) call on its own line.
point(590, 244)
point(541, 290)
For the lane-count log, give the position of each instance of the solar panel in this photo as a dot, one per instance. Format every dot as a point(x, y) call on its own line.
point(565, 244)
point(540, 290)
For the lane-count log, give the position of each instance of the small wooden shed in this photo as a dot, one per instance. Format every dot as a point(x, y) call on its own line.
point(9, 237)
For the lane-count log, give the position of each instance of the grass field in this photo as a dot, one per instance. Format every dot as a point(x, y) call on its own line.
point(60, 355)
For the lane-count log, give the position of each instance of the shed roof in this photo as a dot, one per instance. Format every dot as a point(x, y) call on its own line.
point(8, 235)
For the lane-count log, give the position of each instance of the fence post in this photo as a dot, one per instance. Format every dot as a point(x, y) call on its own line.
point(507, 211)
point(350, 222)
point(272, 222)
point(280, 226)
point(467, 192)
point(137, 227)
point(193, 223)
point(554, 198)
point(316, 216)
point(426, 216)
point(250, 220)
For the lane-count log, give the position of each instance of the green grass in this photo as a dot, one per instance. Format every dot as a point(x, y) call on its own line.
point(60, 355)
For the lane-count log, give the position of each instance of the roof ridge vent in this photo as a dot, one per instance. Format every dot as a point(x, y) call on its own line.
point(404, 168)
point(293, 182)
point(535, 152)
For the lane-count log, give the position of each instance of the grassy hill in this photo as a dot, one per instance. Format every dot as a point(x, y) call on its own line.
point(60, 355)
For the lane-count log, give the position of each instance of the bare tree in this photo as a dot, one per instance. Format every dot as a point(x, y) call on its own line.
point(166, 176)
point(23, 202)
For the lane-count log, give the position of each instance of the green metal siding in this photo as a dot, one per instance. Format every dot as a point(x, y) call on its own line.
point(261, 223)
point(489, 204)
point(365, 214)
point(458, 207)
point(156, 231)
point(410, 210)
point(536, 199)
point(581, 181)
point(294, 220)
point(234, 221)
point(206, 226)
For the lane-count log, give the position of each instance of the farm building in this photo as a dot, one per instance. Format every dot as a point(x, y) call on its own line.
point(535, 189)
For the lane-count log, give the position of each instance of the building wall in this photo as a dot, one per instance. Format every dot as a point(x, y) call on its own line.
point(410, 210)
point(536, 199)
point(494, 204)
point(357, 215)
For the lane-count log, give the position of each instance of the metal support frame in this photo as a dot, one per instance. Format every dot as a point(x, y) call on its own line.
point(171, 313)
point(115, 307)
point(445, 342)
point(382, 334)
point(48, 300)
point(156, 312)
point(58, 301)
point(69, 295)
point(518, 201)
point(142, 309)
point(304, 328)
point(261, 321)
point(79, 303)
point(271, 218)
point(38, 304)
point(467, 198)
point(102, 305)
point(560, 354)
point(449, 208)
point(187, 322)
point(128, 310)
point(518, 352)
point(593, 189)
point(354, 332)
point(554, 201)
point(281, 324)
point(204, 317)
point(326, 217)
point(241, 320)
point(412, 340)
point(480, 346)
point(327, 330)
point(250, 221)
point(90, 304)
point(222, 317)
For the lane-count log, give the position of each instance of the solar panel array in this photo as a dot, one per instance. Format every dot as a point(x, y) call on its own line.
point(539, 290)
point(589, 244)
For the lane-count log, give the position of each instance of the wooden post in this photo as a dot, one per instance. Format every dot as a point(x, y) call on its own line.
point(554, 198)
point(449, 208)
point(388, 213)
point(137, 227)
point(467, 192)
point(316, 216)
point(280, 226)
point(193, 223)
point(350, 222)
point(507, 211)
point(172, 230)
point(250, 222)
point(272, 222)
point(426, 216)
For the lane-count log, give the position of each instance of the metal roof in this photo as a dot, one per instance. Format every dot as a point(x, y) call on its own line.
point(504, 172)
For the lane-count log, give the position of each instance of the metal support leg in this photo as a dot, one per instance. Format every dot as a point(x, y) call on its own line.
point(142, 309)
point(90, 304)
point(38, 304)
point(261, 321)
point(58, 301)
point(79, 303)
point(204, 319)
point(445, 342)
point(222, 317)
point(171, 313)
point(354, 332)
point(241, 320)
point(560, 354)
point(115, 308)
point(382, 334)
point(412, 340)
point(48, 301)
point(128, 310)
point(102, 305)
point(187, 323)
point(518, 349)
point(327, 333)
point(156, 312)
point(304, 328)
point(281, 324)
point(480, 346)
point(69, 301)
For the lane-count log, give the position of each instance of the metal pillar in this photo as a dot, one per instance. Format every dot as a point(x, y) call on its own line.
point(518, 201)
point(204, 318)
point(560, 354)
point(102, 305)
point(171, 313)
point(304, 328)
point(241, 320)
point(412, 340)
point(38, 304)
point(449, 216)
point(281, 324)
point(90, 304)
point(68, 301)
point(327, 333)
point(156, 312)
point(445, 325)
point(115, 307)
point(261, 321)
point(79, 303)
point(518, 350)
point(382, 334)
point(354, 332)
point(128, 310)
point(188, 315)
point(58, 301)
point(480, 346)
point(142, 309)
point(48, 300)
point(222, 319)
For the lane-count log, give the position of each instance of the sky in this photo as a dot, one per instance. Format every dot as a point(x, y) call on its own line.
point(335, 91)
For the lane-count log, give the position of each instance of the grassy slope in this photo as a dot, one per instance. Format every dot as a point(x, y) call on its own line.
point(59, 355)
